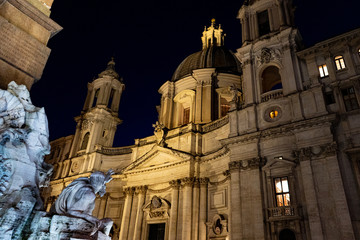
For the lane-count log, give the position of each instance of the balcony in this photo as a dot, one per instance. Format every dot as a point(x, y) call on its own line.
point(278, 93)
point(283, 213)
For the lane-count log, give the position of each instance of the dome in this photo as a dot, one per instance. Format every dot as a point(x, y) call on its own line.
point(211, 57)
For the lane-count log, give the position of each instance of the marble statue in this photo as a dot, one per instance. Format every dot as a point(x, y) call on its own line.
point(78, 200)
point(23, 143)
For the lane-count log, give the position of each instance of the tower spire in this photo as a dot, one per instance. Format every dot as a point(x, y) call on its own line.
point(213, 35)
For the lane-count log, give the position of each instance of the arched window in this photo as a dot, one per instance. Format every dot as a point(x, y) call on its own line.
point(271, 79)
point(85, 141)
point(111, 97)
point(339, 62)
point(96, 95)
point(287, 234)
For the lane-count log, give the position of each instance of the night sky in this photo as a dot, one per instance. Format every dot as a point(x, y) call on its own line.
point(148, 40)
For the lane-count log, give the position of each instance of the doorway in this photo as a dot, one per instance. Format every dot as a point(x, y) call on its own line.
point(157, 231)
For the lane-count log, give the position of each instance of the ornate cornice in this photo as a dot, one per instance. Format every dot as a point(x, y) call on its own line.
point(248, 164)
point(316, 152)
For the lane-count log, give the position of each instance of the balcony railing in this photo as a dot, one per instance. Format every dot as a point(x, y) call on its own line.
point(279, 212)
point(271, 95)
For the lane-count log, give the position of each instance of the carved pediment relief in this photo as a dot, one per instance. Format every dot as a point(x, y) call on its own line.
point(157, 208)
point(158, 157)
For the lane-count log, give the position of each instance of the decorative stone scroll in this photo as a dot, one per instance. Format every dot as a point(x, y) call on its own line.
point(217, 228)
point(267, 55)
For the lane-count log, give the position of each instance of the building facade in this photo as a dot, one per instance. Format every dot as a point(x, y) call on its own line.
point(263, 143)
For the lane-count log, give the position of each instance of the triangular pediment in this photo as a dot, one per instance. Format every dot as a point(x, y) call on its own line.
point(279, 163)
point(158, 157)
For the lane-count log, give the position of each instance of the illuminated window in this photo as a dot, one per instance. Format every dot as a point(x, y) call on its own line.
point(323, 71)
point(273, 114)
point(282, 193)
point(340, 63)
point(186, 116)
point(350, 100)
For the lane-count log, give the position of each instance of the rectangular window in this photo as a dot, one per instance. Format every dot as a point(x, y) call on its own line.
point(350, 99)
point(282, 192)
point(340, 63)
point(329, 98)
point(186, 116)
point(224, 109)
point(263, 21)
point(323, 71)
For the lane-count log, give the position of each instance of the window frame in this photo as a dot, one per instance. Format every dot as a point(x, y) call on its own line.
point(350, 98)
point(339, 62)
point(323, 71)
point(282, 193)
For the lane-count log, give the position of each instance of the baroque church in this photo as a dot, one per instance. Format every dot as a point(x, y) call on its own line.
point(263, 143)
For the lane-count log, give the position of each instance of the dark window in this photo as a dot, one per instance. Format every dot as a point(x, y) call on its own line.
point(350, 100)
point(111, 97)
point(96, 95)
point(282, 193)
point(186, 116)
point(157, 231)
point(263, 21)
point(271, 79)
point(224, 107)
point(85, 141)
point(329, 98)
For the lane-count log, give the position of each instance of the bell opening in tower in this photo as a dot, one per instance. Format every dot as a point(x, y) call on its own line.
point(157, 231)
point(263, 21)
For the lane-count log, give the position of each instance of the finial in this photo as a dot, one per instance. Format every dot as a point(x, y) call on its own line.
point(213, 22)
point(111, 62)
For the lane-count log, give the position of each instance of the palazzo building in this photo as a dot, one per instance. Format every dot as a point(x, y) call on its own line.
point(263, 143)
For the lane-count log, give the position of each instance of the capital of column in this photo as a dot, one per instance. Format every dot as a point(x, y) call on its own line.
point(235, 165)
point(141, 189)
point(203, 181)
point(174, 183)
point(188, 181)
point(129, 190)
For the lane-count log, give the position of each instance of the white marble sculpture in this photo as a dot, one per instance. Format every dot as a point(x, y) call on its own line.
point(78, 200)
point(23, 144)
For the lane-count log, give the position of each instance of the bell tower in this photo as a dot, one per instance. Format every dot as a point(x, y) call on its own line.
point(268, 53)
point(98, 121)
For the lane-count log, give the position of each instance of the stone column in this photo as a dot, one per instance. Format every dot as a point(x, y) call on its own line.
point(140, 213)
point(198, 102)
point(174, 209)
point(310, 197)
point(195, 211)
point(203, 208)
point(281, 12)
point(187, 207)
point(126, 214)
point(133, 214)
point(235, 200)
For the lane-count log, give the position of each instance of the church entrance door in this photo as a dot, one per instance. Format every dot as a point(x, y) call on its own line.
point(157, 231)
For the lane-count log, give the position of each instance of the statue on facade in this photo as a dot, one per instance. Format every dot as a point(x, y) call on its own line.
point(160, 133)
point(78, 200)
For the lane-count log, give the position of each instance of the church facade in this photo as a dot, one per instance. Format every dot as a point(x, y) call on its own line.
point(263, 143)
